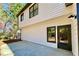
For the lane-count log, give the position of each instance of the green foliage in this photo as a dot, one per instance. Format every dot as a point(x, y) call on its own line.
point(16, 8)
point(3, 15)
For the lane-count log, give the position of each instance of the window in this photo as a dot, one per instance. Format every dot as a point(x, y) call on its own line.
point(51, 34)
point(22, 17)
point(68, 4)
point(33, 10)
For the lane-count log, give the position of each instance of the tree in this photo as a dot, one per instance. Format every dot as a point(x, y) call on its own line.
point(10, 13)
point(15, 8)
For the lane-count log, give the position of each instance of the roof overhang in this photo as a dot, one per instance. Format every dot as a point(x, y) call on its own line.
point(25, 7)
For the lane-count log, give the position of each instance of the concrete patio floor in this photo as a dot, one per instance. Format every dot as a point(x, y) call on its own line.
point(26, 48)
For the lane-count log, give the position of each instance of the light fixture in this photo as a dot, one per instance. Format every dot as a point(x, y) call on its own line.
point(72, 16)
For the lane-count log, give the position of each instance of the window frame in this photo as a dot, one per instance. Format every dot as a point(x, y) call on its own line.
point(55, 34)
point(68, 4)
point(33, 11)
point(22, 17)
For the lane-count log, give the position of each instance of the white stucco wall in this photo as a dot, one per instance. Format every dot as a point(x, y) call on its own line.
point(74, 37)
point(38, 32)
point(75, 32)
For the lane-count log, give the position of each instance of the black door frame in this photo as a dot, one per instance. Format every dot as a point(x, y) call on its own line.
point(70, 43)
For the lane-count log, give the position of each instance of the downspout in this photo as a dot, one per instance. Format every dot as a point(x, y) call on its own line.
point(78, 24)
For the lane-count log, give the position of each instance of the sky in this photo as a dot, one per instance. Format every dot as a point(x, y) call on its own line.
point(5, 6)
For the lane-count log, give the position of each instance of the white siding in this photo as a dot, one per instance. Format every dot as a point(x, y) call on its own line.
point(45, 12)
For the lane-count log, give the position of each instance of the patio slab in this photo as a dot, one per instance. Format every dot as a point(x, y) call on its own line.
point(26, 48)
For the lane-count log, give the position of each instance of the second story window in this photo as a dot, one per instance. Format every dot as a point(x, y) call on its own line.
point(68, 4)
point(22, 17)
point(33, 10)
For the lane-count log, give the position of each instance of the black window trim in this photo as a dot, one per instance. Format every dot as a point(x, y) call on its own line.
point(33, 10)
point(22, 15)
point(68, 4)
point(55, 34)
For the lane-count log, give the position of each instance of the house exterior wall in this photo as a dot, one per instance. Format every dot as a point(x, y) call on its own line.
point(45, 12)
point(35, 28)
point(38, 32)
